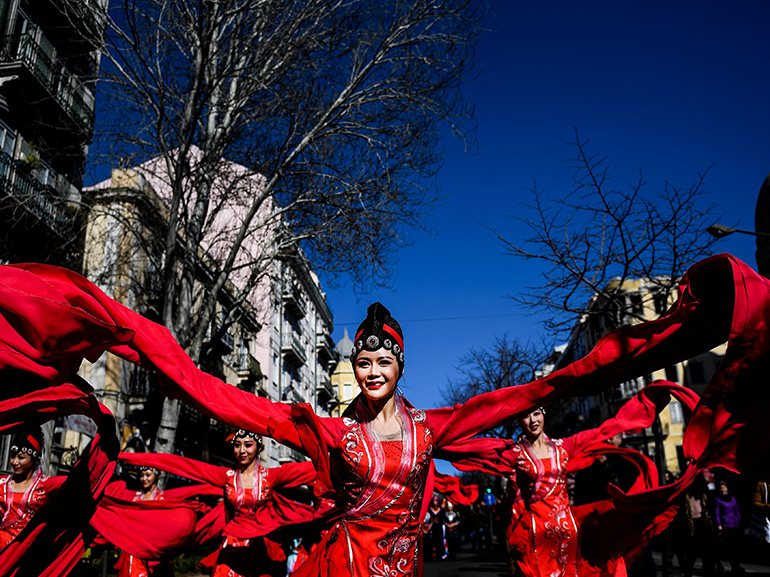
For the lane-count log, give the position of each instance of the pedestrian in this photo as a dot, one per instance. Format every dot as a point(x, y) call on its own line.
point(701, 542)
point(435, 549)
point(451, 521)
point(476, 527)
point(728, 520)
point(760, 515)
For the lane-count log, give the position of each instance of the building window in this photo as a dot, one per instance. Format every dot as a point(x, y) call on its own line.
point(7, 139)
point(675, 410)
point(347, 391)
point(672, 374)
point(636, 303)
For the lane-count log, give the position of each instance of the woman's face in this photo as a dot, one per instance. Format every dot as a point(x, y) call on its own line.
point(147, 479)
point(377, 374)
point(533, 424)
point(723, 488)
point(245, 451)
point(21, 464)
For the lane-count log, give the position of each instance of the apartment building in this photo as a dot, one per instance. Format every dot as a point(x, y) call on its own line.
point(49, 59)
point(280, 348)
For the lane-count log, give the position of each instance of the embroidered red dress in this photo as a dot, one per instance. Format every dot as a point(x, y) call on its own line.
point(247, 557)
point(543, 534)
point(18, 507)
point(379, 483)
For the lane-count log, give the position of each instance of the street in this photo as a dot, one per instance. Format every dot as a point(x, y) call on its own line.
point(469, 563)
point(493, 564)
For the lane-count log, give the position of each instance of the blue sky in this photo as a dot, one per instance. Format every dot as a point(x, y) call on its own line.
point(668, 88)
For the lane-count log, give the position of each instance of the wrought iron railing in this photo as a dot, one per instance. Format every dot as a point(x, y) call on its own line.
point(18, 181)
point(66, 88)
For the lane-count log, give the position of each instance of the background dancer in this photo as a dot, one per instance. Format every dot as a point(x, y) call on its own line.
point(129, 565)
point(248, 487)
point(25, 491)
point(545, 531)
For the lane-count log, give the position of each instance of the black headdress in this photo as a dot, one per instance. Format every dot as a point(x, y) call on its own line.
point(30, 442)
point(379, 330)
point(244, 434)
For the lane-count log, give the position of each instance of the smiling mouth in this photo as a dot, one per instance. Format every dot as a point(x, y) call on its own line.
point(375, 386)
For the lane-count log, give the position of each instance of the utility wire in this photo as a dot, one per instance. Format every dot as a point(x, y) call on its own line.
point(433, 319)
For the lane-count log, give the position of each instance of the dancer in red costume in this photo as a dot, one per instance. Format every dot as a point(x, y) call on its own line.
point(545, 531)
point(545, 534)
point(25, 491)
point(163, 529)
point(721, 299)
point(129, 565)
point(376, 459)
point(248, 488)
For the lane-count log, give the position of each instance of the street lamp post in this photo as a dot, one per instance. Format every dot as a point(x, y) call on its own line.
point(721, 231)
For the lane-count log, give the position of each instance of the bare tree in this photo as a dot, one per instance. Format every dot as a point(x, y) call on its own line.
point(277, 128)
point(596, 237)
point(506, 363)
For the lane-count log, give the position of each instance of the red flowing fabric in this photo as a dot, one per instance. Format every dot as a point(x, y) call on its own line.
point(40, 382)
point(454, 489)
point(52, 542)
point(149, 530)
point(721, 299)
point(277, 512)
point(156, 530)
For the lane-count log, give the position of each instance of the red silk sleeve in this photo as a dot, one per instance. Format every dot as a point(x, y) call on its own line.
point(454, 489)
point(154, 348)
point(178, 465)
point(147, 529)
point(714, 294)
point(292, 475)
point(497, 457)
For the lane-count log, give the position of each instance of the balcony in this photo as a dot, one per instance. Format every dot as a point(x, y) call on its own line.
point(324, 389)
point(19, 182)
point(249, 367)
point(221, 343)
point(27, 53)
point(294, 301)
point(87, 18)
point(139, 384)
point(249, 372)
point(325, 347)
point(293, 350)
point(287, 455)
